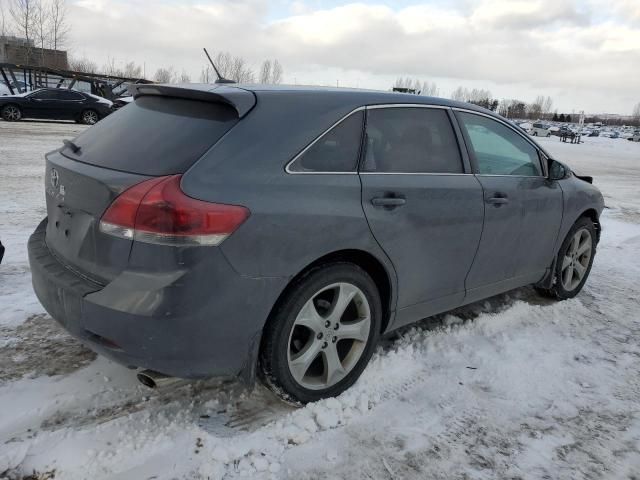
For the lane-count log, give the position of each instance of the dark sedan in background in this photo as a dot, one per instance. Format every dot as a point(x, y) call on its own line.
point(55, 104)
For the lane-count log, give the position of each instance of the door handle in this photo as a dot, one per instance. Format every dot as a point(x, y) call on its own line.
point(498, 199)
point(388, 202)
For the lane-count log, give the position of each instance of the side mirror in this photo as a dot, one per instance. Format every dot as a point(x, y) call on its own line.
point(557, 171)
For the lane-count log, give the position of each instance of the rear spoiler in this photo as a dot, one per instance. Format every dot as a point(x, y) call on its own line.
point(241, 100)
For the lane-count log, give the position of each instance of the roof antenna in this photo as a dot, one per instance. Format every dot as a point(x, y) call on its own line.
point(220, 78)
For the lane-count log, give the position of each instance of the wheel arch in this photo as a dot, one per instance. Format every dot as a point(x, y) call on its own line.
point(363, 259)
point(592, 214)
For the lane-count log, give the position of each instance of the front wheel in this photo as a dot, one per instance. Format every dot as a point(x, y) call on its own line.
point(322, 335)
point(89, 117)
point(574, 261)
point(11, 113)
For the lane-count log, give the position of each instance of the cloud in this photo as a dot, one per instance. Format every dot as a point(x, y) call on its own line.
point(565, 48)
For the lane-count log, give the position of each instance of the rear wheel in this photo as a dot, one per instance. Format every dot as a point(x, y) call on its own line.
point(574, 261)
point(11, 113)
point(322, 335)
point(89, 117)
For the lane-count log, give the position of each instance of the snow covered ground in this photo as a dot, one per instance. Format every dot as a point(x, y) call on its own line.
point(514, 387)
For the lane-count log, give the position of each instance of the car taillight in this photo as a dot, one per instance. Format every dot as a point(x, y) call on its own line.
point(157, 211)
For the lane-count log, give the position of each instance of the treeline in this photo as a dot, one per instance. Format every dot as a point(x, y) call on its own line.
point(230, 67)
point(540, 109)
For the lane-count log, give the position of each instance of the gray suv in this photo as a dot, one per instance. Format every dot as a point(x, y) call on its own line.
point(235, 230)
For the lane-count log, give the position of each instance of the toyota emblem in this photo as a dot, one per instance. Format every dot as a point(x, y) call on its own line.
point(54, 178)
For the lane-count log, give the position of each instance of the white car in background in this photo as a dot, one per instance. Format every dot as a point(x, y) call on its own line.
point(540, 130)
point(526, 126)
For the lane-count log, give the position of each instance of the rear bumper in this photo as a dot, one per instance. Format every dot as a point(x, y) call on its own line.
point(193, 322)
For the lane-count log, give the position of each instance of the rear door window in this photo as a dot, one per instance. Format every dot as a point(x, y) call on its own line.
point(45, 95)
point(498, 149)
point(335, 151)
point(68, 95)
point(411, 140)
point(155, 135)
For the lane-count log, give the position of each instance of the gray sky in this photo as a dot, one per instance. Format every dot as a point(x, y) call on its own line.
point(585, 54)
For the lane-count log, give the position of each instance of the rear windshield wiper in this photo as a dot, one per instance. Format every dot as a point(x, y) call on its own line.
point(69, 144)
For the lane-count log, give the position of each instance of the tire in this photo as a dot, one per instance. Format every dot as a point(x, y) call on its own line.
point(572, 266)
point(11, 113)
point(301, 342)
point(89, 117)
point(535, 134)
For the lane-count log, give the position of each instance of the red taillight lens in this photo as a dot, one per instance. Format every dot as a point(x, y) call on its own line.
point(157, 211)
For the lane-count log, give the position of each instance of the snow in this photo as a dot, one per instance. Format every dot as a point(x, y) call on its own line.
point(515, 386)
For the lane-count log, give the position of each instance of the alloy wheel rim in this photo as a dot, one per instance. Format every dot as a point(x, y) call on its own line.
point(90, 117)
point(12, 113)
point(576, 260)
point(328, 336)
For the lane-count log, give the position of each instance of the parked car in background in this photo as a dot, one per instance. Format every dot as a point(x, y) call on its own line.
point(594, 133)
point(526, 126)
point(540, 130)
point(609, 134)
point(55, 104)
point(120, 102)
point(635, 137)
point(217, 231)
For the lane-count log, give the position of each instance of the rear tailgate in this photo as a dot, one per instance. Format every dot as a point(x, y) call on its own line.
point(156, 135)
point(77, 195)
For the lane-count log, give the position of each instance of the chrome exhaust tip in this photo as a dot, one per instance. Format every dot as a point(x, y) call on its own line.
point(152, 379)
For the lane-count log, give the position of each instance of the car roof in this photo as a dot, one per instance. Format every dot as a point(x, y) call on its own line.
point(351, 95)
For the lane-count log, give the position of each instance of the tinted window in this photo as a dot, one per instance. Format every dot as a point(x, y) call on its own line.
point(498, 149)
point(411, 140)
point(155, 135)
point(44, 95)
point(67, 95)
point(336, 151)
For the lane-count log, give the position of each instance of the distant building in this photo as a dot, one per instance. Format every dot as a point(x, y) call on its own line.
point(22, 52)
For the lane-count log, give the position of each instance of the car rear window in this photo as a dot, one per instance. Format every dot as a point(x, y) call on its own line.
point(154, 135)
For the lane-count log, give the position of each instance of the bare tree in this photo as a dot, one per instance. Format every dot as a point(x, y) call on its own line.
point(4, 23)
point(110, 68)
point(131, 70)
point(205, 74)
point(241, 72)
point(459, 94)
point(547, 106)
point(233, 68)
point(41, 27)
point(165, 75)
point(223, 62)
point(276, 73)
point(58, 26)
point(185, 77)
point(636, 112)
point(477, 96)
point(23, 14)
point(270, 72)
point(421, 88)
point(535, 108)
point(265, 72)
point(83, 65)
